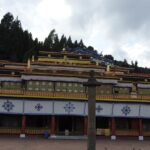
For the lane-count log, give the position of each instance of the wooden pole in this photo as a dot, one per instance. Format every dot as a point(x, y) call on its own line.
point(91, 84)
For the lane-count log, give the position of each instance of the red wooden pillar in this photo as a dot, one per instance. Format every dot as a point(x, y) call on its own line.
point(109, 124)
point(135, 124)
point(141, 138)
point(85, 126)
point(53, 125)
point(113, 126)
point(113, 129)
point(23, 127)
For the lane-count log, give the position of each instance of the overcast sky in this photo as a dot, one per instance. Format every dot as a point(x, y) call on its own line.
point(117, 27)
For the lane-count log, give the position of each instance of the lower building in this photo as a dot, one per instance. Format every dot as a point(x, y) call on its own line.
point(61, 117)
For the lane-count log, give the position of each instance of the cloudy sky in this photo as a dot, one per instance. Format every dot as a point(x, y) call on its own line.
point(117, 27)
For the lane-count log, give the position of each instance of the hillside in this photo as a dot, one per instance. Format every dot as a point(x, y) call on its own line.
point(18, 45)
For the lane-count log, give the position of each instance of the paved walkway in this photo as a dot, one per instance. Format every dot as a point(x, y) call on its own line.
point(37, 143)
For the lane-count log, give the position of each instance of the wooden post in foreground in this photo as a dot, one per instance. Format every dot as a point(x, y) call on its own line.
point(91, 84)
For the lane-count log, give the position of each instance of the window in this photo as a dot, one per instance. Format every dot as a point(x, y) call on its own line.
point(12, 83)
point(50, 90)
point(36, 89)
point(37, 83)
point(81, 85)
point(30, 82)
point(50, 83)
point(75, 84)
point(108, 92)
point(70, 84)
point(64, 90)
point(57, 83)
point(43, 83)
point(43, 89)
point(70, 90)
point(57, 90)
point(6, 83)
point(75, 91)
point(64, 84)
point(30, 88)
point(17, 83)
point(116, 90)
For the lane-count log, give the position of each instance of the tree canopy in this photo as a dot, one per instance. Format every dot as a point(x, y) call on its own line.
point(14, 41)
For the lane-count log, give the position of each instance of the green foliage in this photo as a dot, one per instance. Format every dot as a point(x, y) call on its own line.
point(14, 42)
point(110, 57)
point(52, 42)
point(49, 41)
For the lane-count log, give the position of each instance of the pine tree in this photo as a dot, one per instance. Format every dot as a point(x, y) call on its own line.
point(63, 42)
point(49, 41)
point(81, 44)
point(69, 42)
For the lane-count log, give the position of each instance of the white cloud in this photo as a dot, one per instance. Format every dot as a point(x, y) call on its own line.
point(137, 52)
point(56, 10)
point(50, 15)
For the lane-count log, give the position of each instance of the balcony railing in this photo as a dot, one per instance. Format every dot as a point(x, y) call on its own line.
point(5, 130)
point(75, 96)
point(105, 132)
point(146, 133)
point(33, 131)
point(127, 133)
point(36, 131)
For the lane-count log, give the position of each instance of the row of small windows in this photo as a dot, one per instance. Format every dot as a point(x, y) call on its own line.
point(57, 90)
point(118, 90)
point(11, 83)
point(39, 83)
point(144, 91)
point(69, 90)
point(69, 84)
point(104, 92)
point(40, 89)
point(57, 83)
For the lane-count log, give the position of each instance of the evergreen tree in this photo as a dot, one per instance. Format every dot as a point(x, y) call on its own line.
point(75, 45)
point(110, 57)
point(63, 42)
point(49, 41)
point(14, 42)
point(7, 21)
point(56, 43)
point(69, 42)
point(81, 44)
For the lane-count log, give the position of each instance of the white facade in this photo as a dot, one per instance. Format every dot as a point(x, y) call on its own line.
point(62, 107)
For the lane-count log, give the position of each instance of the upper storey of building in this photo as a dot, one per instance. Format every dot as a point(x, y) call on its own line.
point(62, 74)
